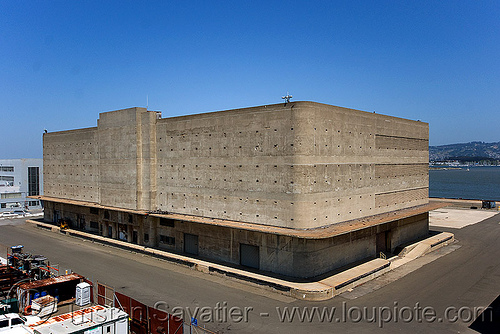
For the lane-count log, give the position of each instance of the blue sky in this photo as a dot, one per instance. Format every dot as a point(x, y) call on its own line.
point(63, 62)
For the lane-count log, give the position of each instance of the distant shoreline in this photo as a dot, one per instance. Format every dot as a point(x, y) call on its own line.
point(444, 168)
point(448, 167)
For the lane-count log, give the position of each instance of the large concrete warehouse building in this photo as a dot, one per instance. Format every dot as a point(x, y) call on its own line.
point(297, 189)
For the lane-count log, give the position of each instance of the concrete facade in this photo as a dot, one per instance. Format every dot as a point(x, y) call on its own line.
point(298, 166)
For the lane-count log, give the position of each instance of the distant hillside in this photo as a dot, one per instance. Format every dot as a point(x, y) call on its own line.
point(475, 150)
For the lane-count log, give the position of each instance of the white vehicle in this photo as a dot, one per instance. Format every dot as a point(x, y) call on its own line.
point(20, 212)
point(8, 215)
point(10, 321)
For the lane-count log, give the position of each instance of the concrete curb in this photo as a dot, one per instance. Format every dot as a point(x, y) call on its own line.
point(418, 249)
point(313, 291)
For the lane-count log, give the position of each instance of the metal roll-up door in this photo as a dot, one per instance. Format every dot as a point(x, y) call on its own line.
point(191, 244)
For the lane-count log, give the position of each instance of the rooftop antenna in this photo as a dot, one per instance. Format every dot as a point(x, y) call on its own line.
point(287, 97)
point(147, 101)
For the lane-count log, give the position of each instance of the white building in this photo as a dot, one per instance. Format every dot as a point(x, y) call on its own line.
point(20, 178)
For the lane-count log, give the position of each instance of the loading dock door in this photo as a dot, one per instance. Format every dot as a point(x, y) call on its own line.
point(191, 244)
point(57, 216)
point(382, 241)
point(249, 256)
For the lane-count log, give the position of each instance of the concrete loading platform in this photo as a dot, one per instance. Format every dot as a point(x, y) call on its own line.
point(321, 289)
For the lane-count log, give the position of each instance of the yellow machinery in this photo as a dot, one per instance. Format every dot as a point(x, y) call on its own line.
point(63, 225)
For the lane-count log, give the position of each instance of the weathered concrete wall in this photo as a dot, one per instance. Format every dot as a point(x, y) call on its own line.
point(299, 165)
point(146, 161)
point(409, 230)
point(118, 157)
point(113, 164)
point(231, 165)
point(71, 164)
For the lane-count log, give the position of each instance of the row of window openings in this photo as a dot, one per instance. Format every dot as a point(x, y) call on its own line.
point(402, 148)
point(170, 222)
point(10, 195)
point(407, 201)
point(70, 153)
point(225, 166)
point(395, 176)
point(275, 146)
point(165, 239)
point(258, 146)
point(257, 180)
point(68, 145)
point(71, 174)
point(403, 175)
point(338, 180)
point(61, 193)
point(315, 145)
point(9, 180)
point(400, 175)
point(275, 202)
point(163, 221)
point(76, 186)
point(291, 219)
point(256, 131)
point(71, 165)
point(196, 166)
point(171, 137)
point(274, 166)
point(108, 216)
point(210, 166)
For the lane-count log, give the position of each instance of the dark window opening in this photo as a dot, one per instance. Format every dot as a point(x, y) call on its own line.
point(167, 222)
point(167, 240)
point(33, 181)
point(9, 179)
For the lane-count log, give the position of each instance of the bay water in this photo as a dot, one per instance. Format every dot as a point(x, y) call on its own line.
point(480, 183)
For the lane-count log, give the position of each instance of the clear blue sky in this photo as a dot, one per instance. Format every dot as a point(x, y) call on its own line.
point(63, 62)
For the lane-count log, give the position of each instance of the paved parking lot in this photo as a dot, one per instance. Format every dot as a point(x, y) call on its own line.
point(456, 285)
point(458, 218)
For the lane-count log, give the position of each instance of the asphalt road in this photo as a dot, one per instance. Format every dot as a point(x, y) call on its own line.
point(442, 292)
